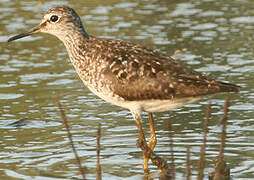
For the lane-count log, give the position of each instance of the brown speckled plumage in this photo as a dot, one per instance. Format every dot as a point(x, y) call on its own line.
point(137, 73)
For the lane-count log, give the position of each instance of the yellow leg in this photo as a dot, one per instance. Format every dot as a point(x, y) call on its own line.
point(153, 139)
point(142, 139)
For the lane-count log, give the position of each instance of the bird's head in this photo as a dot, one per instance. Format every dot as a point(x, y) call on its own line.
point(59, 21)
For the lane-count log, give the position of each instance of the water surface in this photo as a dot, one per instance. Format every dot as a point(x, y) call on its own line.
point(35, 73)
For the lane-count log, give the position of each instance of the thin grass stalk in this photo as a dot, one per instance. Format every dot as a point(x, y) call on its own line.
point(221, 171)
point(188, 167)
point(171, 134)
point(98, 150)
point(64, 118)
point(203, 146)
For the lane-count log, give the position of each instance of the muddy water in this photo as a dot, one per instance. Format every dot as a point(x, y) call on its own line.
point(35, 73)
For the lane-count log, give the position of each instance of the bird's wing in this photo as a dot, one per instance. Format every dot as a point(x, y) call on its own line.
point(138, 73)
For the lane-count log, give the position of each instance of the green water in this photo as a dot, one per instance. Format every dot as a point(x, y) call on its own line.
point(35, 73)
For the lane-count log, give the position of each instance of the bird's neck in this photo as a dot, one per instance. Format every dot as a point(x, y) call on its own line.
point(75, 45)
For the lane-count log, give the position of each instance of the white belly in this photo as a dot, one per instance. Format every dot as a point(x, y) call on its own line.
point(145, 105)
point(156, 105)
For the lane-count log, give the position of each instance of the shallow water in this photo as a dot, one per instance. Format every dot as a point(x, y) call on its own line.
point(35, 73)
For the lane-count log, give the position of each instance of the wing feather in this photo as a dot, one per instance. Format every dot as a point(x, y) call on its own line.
point(138, 73)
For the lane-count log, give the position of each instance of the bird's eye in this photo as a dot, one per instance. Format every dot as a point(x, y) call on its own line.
point(53, 18)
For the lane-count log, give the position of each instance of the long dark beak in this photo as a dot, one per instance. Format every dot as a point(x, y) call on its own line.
point(28, 33)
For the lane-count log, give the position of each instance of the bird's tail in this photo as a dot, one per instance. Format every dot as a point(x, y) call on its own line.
point(227, 87)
